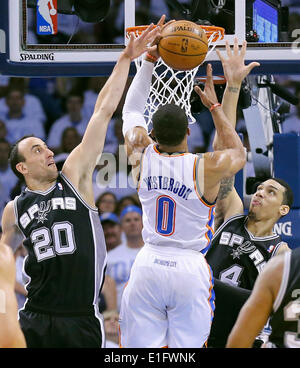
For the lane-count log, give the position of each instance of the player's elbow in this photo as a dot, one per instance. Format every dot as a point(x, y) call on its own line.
point(237, 162)
point(230, 163)
point(241, 160)
point(216, 145)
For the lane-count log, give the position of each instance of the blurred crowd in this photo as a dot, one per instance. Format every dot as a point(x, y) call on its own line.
point(58, 110)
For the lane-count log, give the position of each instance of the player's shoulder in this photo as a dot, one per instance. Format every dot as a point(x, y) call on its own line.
point(236, 219)
point(9, 211)
point(281, 247)
point(274, 270)
point(9, 206)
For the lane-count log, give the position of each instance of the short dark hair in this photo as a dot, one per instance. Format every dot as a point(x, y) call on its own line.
point(288, 195)
point(75, 92)
point(15, 156)
point(12, 89)
point(99, 199)
point(170, 125)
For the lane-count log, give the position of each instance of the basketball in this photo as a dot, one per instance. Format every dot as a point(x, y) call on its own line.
point(52, 11)
point(183, 45)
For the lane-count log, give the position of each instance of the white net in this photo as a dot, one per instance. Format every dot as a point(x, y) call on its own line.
point(173, 86)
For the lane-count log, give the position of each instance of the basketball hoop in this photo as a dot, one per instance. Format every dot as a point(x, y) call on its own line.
point(217, 79)
point(169, 85)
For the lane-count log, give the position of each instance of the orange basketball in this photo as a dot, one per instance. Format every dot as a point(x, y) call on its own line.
point(183, 45)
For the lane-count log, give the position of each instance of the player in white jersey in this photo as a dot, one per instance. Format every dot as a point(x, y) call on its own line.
point(169, 297)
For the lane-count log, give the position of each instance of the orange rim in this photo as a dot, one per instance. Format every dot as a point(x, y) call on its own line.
point(218, 79)
point(138, 30)
point(210, 30)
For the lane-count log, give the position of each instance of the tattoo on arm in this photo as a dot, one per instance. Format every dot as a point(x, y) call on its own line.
point(225, 187)
point(233, 89)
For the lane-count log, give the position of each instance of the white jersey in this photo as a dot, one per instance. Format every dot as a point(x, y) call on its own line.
point(174, 213)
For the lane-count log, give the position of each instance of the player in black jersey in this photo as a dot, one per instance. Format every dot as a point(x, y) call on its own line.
point(276, 294)
point(242, 245)
point(58, 221)
point(10, 332)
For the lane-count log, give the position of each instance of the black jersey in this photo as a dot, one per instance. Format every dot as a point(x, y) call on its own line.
point(285, 320)
point(236, 256)
point(66, 249)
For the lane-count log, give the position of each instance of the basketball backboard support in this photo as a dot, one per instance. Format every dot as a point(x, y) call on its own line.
point(20, 56)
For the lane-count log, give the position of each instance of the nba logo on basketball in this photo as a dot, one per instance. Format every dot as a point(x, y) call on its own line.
point(46, 16)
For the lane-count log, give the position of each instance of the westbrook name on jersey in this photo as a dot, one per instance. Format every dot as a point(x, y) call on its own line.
point(168, 184)
point(169, 192)
point(66, 249)
point(236, 256)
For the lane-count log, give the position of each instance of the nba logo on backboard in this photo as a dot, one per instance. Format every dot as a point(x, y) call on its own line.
point(46, 17)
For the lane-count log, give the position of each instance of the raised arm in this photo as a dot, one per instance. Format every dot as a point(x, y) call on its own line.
point(228, 202)
point(11, 234)
point(215, 166)
point(256, 311)
point(81, 163)
point(134, 125)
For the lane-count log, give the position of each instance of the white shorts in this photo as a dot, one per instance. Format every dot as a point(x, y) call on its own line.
point(169, 300)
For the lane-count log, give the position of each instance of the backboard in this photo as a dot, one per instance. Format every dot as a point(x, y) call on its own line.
point(78, 48)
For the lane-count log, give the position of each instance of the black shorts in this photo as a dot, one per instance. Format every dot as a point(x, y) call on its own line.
point(49, 331)
point(229, 301)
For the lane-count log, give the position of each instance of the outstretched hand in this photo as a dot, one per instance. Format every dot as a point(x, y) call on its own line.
point(235, 70)
point(153, 51)
point(208, 96)
point(137, 46)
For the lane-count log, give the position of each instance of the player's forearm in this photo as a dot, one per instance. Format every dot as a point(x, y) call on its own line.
point(110, 293)
point(86, 155)
point(229, 103)
point(245, 329)
point(243, 333)
point(226, 132)
point(136, 98)
point(239, 342)
point(106, 104)
point(11, 335)
point(110, 95)
point(137, 95)
point(19, 339)
point(139, 90)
